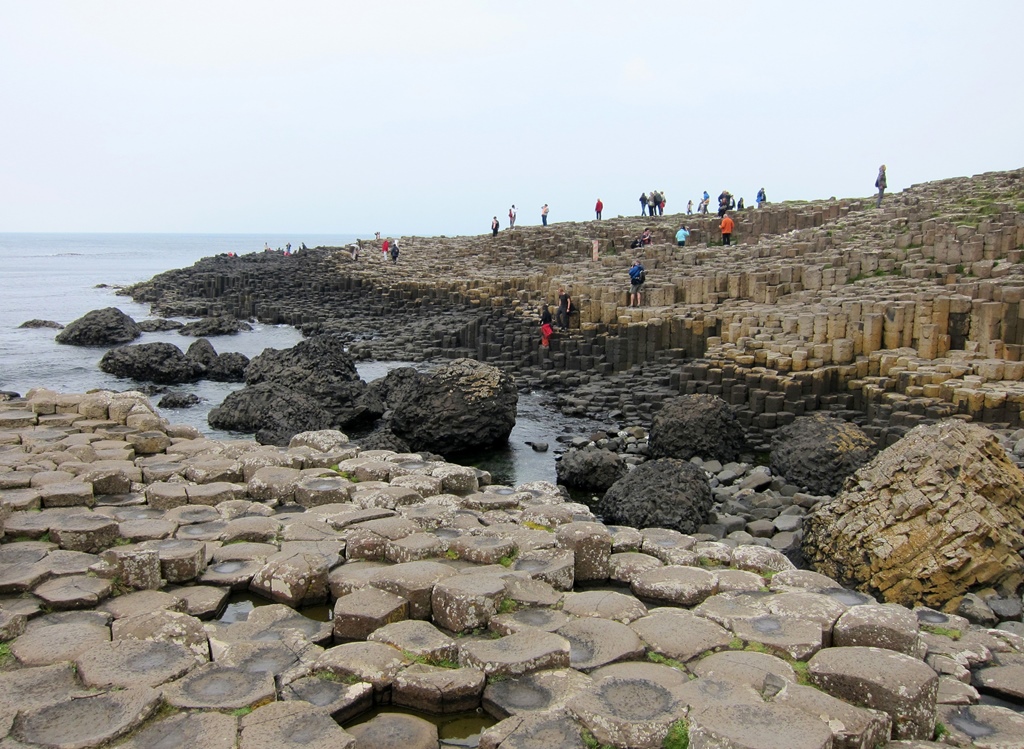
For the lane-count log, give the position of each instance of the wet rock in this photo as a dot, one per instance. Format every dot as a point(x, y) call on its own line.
point(104, 327)
point(41, 324)
point(696, 425)
point(817, 452)
point(664, 493)
point(210, 326)
point(158, 325)
point(163, 363)
point(87, 721)
point(389, 730)
point(434, 689)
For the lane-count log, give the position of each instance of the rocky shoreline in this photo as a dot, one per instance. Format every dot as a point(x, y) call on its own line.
point(124, 536)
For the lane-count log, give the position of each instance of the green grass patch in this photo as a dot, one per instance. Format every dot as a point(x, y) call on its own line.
point(452, 554)
point(664, 661)
point(591, 741)
point(426, 660)
point(803, 673)
point(507, 561)
point(940, 732)
point(507, 606)
point(538, 527)
point(240, 712)
point(678, 736)
point(952, 634)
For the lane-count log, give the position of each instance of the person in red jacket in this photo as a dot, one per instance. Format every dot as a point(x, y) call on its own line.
point(727, 227)
point(598, 208)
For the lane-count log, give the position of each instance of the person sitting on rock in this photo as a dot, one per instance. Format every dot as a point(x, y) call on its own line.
point(646, 238)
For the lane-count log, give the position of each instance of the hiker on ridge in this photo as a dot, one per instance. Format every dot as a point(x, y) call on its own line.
point(880, 184)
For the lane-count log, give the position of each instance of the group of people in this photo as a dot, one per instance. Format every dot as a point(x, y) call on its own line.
point(653, 203)
point(390, 247)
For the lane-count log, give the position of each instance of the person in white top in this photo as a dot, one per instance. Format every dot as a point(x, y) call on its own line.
point(512, 217)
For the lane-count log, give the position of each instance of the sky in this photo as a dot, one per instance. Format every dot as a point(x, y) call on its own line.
point(431, 116)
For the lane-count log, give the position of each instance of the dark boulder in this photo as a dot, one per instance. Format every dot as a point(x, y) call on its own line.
point(819, 451)
point(665, 493)
point(590, 469)
point(101, 327)
point(313, 385)
point(158, 325)
point(41, 324)
point(178, 400)
point(229, 367)
point(164, 363)
point(462, 406)
point(382, 438)
point(221, 325)
point(696, 426)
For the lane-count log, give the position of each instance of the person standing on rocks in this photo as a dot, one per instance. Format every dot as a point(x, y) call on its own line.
point(661, 203)
point(637, 277)
point(512, 217)
point(643, 204)
point(545, 326)
point(652, 203)
point(564, 308)
point(494, 226)
point(761, 197)
point(689, 207)
point(880, 184)
point(394, 252)
point(727, 227)
point(544, 214)
point(681, 235)
point(384, 249)
point(598, 207)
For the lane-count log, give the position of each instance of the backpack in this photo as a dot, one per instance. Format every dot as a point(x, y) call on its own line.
point(642, 277)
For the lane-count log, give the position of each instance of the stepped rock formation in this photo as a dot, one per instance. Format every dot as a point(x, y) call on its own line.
point(933, 516)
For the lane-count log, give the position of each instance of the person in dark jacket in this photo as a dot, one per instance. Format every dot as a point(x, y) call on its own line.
point(880, 184)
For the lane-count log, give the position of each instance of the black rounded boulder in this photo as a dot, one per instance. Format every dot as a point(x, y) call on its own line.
point(819, 451)
point(664, 493)
point(164, 363)
point(696, 425)
point(101, 327)
point(590, 469)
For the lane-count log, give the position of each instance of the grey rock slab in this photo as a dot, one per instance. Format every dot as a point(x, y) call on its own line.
point(244, 551)
point(88, 532)
point(275, 622)
point(236, 574)
point(215, 687)
point(554, 728)
point(462, 603)
point(292, 725)
point(341, 700)
point(73, 592)
point(788, 636)
point(886, 626)
point(983, 726)
point(133, 663)
point(526, 591)
point(180, 560)
point(604, 604)
point(516, 654)
point(187, 730)
point(536, 692)
point(165, 626)
point(142, 602)
point(668, 676)
point(390, 730)
point(548, 620)
point(627, 712)
point(557, 567)
point(293, 578)
point(808, 606)
point(597, 642)
point(413, 581)
point(358, 614)
point(1003, 681)
point(87, 721)
point(434, 689)
point(757, 727)
point(625, 566)
point(30, 688)
point(851, 726)
point(738, 581)
point(814, 582)
point(373, 662)
point(287, 659)
point(421, 639)
point(482, 549)
point(742, 667)
point(202, 601)
point(707, 692)
point(680, 635)
point(880, 679)
point(57, 642)
point(684, 586)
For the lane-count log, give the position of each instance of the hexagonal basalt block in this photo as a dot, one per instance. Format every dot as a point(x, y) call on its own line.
point(604, 604)
point(84, 532)
point(73, 592)
point(215, 687)
point(465, 602)
point(516, 654)
point(292, 725)
point(206, 730)
point(132, 663)
point(557, 567)
point(548, 620)
point(764, 726)
point(87, 721)
point(413, 581)
point(536, 692)
point(294, 579)
point(42, 646)
point(598, 642)
point(627, 712)
point(794, 638)
point(680, 635)
point(879, 626)
point(421, 639)
point(438, 690)
point(343, 701)
point(554, 728)
point(359, 614)
point(685, 586)
point(481, 549)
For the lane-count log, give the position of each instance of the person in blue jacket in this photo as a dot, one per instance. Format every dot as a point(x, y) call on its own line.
point(637, 277)
point(681, 236)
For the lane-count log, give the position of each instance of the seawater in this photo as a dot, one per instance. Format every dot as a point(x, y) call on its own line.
point(60, 277)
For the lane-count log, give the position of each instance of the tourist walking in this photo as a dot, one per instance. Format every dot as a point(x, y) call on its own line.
point(643, 204)
point(661, 203)
point(544, 214)
point(545, 326)
point(761, 197)
point(494, 226)
point(512, 217)
point(394, 252)
point(682, 235)
point(652, 203)
point(689, 207)
point(384, 249)
point(727, 226)
point(739, 205)
point(564, 308)
point(598, 207)
point(637, 277)
point(880, 184)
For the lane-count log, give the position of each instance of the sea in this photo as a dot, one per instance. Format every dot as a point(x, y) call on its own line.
point(60, 277)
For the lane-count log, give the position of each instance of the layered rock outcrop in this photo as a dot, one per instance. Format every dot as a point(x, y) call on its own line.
point(930, 518)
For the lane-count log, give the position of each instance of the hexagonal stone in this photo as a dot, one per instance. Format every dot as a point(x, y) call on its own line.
point(87, 721)
point(86, 532)
point(165, 626)
point(536, 692)
point(885, 680)
point(462, 603)
point(742, 667)
point(604, 604)
point(534, 731)
point(764, 726)
point(669, 546)
point(680, 635)
point(807, 606)
point(180, 560)
point(358, 614)
point(202, 601)
point(206, 730)
point(69, 494)
point(373, 662)
point(434, 689)
point(413, 548)
point(421, 639)
point(133, 663)
point(274, 484)
point(343, 701)
point(276, 622)
point(878, 626)
point(287, 659)
point(29, 688)
point(294, 579)
point(1003, 681)
point(597, 642)
point(761, 559)
point(685, 586)
point(215, 687)
point(851, 726)
point(192, 515)
point(983, 725)
point(516, 654)
point(726, 608)
point(44, 645)
point(213, 531)
point(312, 491)
point(389, 730)
point(73, 592)
point(235, 574)
point(292, 725)
point(627, 712)
point(627, 565)
point(784, 635)
point(548, 620)
point(668, 676)
point(738, 581)
point(456, 479)
point(557, 567)
point(802, 580)
point(481, 549)
point(212, 493)
point(591, 544)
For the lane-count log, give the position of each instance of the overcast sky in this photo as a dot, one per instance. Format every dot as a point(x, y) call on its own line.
point(429, 117)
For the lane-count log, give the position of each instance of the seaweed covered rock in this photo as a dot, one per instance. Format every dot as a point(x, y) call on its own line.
point(929, 518)
point(313, 385)
point(100, 327)
point(819, 451)
point(463, 405)
point(664, 493)
point(696, 425)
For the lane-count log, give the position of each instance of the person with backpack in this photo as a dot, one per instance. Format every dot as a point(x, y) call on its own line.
point(394, 252)
point(564, 308)
point(880, 184)
point(637, 278)
point(494, 226)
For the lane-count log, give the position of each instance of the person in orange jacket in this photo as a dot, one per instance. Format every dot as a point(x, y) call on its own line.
point(727, 227)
